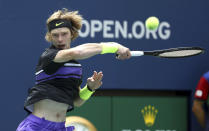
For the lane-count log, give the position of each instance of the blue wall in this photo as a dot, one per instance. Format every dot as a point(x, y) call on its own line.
point(22, 25)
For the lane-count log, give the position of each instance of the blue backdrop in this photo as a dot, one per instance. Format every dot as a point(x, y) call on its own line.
point(182, 23)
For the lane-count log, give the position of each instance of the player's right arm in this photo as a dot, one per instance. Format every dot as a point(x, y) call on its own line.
point(88, 50)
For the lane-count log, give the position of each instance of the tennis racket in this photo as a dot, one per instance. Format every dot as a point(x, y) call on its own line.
point(171, 53)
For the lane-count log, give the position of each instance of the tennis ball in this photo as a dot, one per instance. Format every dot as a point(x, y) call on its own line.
point(152, 23)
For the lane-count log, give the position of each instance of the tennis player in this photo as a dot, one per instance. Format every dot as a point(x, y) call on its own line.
point(201, 101)
point(58, 74)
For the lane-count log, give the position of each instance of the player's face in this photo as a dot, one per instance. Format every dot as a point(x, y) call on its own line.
point(61, 38)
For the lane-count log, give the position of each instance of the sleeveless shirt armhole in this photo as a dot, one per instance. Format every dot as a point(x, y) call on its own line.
point(47, 63)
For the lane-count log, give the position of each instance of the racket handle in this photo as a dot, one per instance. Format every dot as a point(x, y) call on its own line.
point(137, 53)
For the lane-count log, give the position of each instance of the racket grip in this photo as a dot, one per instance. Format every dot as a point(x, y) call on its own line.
point(137, 53)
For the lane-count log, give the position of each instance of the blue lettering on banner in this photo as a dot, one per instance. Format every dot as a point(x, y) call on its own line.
point(116, 30)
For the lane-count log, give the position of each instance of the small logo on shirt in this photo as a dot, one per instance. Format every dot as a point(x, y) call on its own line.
point(199, 93)
point(57, 24)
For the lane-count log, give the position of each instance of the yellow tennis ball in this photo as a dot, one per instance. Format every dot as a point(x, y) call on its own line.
point(152, 23)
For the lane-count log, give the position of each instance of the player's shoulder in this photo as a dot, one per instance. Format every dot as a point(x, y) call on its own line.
point(49, 51)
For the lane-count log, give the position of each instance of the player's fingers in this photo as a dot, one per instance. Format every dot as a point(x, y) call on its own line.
point(125, 55)
point(122, 57)
point(94, 75)
point(118, 57)
point(128, 53)
point(100, 76)
point(100, 73)
point(100, 84)
point(90, 79)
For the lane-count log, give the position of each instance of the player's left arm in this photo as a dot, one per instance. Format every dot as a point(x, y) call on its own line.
point(93, 83)
point(201, 96)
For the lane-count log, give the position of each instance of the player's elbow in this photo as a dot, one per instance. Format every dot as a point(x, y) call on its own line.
point(66, 55)
point(196, 108)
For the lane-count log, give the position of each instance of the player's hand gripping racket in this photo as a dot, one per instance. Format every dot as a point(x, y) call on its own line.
point(171, 53)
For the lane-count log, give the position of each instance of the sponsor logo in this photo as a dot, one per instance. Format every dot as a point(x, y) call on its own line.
point(116, 29)
point(149, 113)
point(58, 24)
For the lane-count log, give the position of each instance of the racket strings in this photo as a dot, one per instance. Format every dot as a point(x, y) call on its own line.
point(180, 53)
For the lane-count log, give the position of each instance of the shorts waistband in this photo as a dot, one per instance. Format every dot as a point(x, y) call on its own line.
point(48, 124)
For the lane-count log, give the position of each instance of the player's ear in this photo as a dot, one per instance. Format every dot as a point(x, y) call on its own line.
point(48, 37)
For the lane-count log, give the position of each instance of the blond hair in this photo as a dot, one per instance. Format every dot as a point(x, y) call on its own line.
point(72, 16)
